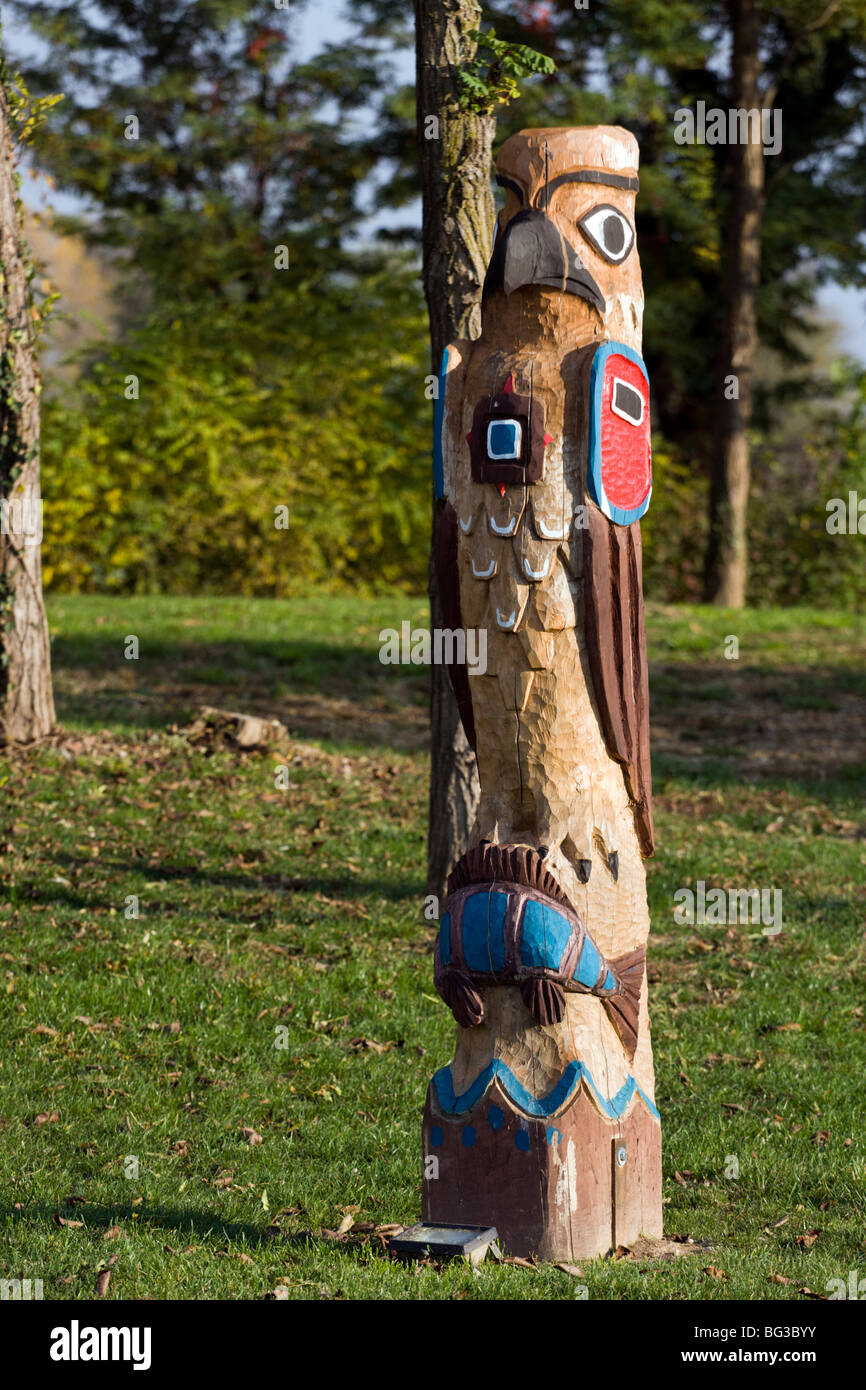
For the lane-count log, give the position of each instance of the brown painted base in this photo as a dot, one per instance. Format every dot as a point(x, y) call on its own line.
point(553, 1188)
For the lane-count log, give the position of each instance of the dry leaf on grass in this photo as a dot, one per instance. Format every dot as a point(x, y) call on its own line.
point(663, 1249)
point(368, 1045)
point(806, 1241)
point(252, 1136)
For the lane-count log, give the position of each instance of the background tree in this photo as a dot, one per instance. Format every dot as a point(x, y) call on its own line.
point(734, 245)
point(779, 53)
point(223, 177)
point(454, 150)
point(243, 147)
point(26, 699)
point(457, 90)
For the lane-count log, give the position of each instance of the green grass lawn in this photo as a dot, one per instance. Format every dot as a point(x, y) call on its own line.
point(278, 977)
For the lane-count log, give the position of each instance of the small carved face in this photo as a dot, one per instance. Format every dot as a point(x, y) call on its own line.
point(568, 223)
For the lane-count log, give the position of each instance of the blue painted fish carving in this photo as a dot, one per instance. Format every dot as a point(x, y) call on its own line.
point(507, 922)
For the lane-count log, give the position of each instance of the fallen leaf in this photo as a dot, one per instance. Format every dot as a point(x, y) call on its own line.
point(46, 1119)
point(113, 1233)
point(64, 1221)
point(714, 1272)
point(574, 1270)
point(368, 1045)
point(252, 1136)
point(779, 1279)
point(102, 1283)
point(806, 1241)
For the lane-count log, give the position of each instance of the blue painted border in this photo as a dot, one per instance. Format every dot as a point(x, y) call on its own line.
point(621, 515)
point(438, 422)
point(562, 1092)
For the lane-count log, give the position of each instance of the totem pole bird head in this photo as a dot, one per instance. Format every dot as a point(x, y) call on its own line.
point(567, 226)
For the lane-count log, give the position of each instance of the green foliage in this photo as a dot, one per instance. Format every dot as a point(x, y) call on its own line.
point(243, 148)
point(311, 400)
point(494, 79)
point(794, 558)
point(200, 141)
point(26, 112)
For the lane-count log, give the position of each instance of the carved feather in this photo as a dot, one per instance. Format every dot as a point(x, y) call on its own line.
point(617, 659)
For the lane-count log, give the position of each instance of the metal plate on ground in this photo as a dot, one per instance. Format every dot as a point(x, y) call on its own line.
point(443, 1241)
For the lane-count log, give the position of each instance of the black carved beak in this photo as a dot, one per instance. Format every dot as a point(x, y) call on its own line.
point(532, 251)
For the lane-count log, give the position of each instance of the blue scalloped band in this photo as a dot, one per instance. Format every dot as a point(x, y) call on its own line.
point(540, 1107)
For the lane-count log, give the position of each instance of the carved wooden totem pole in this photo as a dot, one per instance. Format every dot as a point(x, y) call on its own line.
point(545, 1125)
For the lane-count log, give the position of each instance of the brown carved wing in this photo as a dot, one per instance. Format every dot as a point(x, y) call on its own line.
point(445, 554)
point(617, 655)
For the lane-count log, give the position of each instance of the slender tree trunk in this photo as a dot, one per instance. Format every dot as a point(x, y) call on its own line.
point(727, 554)
point(26, 700)
point(455, 150)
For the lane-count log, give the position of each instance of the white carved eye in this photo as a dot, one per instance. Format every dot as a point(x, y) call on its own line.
point(608, 231)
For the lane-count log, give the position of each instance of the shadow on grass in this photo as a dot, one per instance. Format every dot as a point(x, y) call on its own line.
point(352, 887)
point(764, 719)
point(318, 689)
point(203, 1224)
point(200, 1223)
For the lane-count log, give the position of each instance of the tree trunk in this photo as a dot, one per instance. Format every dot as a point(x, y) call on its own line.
point(26, 700)
point(727, 554)
point(455, 151)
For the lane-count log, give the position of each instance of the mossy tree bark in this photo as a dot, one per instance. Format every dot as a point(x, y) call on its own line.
point(455, 151)
point(26, 699)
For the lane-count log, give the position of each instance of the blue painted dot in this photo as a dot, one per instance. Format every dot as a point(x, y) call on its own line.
point(436, 1136)
point(521, 1140)
point(553, 1134)
point(495, 1117)
point(468, 1136)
